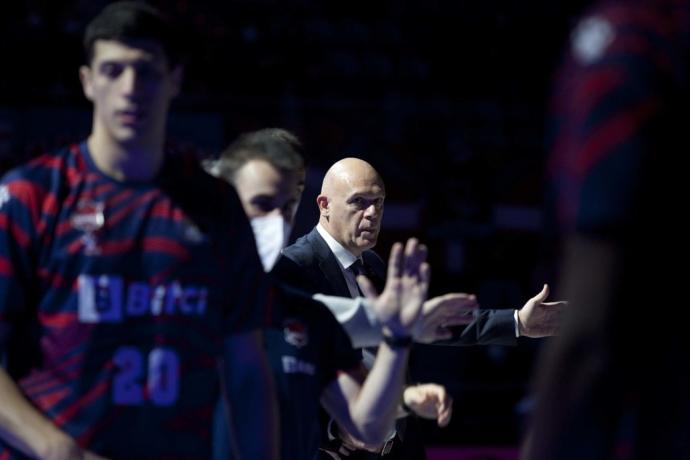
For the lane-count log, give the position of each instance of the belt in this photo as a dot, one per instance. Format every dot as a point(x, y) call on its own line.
point(338, 450)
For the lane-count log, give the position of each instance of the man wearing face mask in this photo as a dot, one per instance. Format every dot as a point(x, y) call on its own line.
point(310, 353)
point(268, 173)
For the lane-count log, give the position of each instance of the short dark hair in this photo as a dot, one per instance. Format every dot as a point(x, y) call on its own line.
point(131, 20)
point(279, 147)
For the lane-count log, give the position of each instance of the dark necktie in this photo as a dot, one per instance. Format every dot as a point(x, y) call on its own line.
point(358, 268)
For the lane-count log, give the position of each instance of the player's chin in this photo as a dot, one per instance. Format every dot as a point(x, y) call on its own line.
point(127, 135)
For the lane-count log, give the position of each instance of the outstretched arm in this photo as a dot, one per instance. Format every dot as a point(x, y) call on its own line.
point(535, 319)
point(442, 313)
point(439, 315)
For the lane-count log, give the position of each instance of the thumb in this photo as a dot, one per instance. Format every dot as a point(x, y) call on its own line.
point(539, 298)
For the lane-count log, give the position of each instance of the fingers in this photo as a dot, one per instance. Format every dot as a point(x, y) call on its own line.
point(452, 303)
point(395, 261)
point(436, 396)
point(445, 411)
point(450, 309)
point(415, 256)
point(408, 262)
point(442, 333)
point(555, 305)
point(458, 298)
point(411, 313)
point(456, 320)
point(424, 277)
point(444, 404)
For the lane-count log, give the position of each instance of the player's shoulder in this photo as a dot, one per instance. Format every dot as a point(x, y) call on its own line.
point(44, 175)
point(47, 166)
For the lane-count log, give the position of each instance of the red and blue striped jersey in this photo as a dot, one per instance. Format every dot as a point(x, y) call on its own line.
point(619, 115)
point(127, 290)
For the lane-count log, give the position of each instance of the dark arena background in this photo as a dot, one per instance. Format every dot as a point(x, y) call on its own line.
point(446, 98)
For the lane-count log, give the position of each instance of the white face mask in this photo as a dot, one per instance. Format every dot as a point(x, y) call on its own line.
point(271, 234)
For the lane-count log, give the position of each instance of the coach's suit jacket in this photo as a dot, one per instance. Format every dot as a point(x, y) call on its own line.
point(309, 264)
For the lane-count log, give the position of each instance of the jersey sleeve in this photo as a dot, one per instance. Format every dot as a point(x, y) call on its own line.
point(19, 204)
point(606, 117)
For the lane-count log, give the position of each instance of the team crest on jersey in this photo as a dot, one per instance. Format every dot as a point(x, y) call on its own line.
point(89, 218)
point(295, 332)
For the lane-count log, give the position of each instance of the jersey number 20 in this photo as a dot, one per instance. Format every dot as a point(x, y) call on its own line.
point(161, 385)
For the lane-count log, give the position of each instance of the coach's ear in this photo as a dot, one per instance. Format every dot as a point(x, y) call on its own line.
point(322, 203)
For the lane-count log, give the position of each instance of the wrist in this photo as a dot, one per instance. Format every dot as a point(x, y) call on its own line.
point(393, 340)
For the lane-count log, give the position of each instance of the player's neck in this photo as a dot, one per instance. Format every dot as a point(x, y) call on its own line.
point(135, 161)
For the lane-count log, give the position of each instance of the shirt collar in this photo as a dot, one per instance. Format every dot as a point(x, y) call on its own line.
point(345, 257)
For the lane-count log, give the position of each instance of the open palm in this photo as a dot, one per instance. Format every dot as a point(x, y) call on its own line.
point(399, 306)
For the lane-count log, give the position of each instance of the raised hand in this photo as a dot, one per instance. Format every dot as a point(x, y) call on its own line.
point(399, 306)
point(442, 312)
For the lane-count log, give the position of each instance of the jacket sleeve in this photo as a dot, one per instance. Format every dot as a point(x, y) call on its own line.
point(490, 327)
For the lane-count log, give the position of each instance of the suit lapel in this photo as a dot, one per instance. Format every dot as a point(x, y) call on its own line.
point(329, 266)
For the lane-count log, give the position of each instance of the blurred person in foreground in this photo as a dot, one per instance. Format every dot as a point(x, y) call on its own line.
point(614, 384)
point(133, 275)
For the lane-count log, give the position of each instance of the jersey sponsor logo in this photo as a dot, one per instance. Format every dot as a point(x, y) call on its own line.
point(293, 365)
point(107, 299)
point(295, 332)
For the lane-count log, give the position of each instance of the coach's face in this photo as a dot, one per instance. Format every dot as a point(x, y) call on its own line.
point(351, 205)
